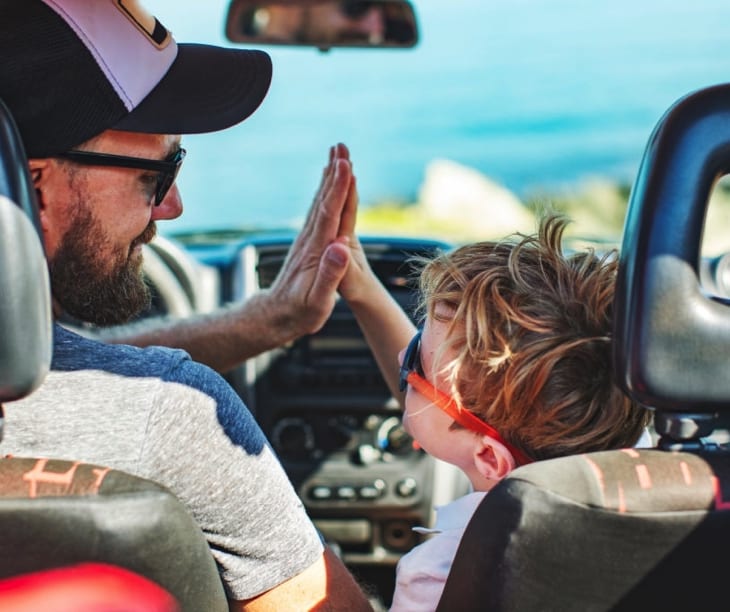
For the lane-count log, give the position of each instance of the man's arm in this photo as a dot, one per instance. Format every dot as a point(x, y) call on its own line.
point(325, 586)
point(299, 301)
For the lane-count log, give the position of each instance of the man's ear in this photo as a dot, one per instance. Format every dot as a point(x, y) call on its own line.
point(38, 168)
point(491, 459)
point(44, 175)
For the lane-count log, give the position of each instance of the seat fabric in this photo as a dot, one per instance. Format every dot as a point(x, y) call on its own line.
point(631, 527)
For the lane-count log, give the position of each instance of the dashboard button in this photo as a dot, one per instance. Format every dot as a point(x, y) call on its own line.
point(372, 491)
point(346, 492)
point(369, 492)
point(320, 493)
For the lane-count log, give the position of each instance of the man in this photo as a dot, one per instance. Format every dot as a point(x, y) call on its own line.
point(101, 91)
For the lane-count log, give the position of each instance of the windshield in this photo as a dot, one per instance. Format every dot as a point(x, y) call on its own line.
point(537, 96)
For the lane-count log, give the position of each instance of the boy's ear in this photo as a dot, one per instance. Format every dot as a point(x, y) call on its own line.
point(491, 459)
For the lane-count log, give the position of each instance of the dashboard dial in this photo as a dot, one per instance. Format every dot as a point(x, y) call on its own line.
point(293, 437)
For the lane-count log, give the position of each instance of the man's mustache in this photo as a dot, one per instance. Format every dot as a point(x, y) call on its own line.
point(147, 235)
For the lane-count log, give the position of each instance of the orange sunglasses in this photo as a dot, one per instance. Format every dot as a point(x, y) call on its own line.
point(411, 373)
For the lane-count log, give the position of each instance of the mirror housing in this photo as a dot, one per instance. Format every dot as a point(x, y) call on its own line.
point(323, 23)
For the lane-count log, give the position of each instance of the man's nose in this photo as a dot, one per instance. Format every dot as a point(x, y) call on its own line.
point(171, 207)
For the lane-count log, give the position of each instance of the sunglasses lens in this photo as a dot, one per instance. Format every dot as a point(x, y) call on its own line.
point(403, 383)
point(164, 182)
point(411, 360)
point(166, 179)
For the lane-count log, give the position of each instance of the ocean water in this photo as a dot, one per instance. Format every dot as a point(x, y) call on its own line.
point(534, 93)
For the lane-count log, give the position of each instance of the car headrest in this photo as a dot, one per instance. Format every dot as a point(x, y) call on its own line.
point(25, 301)
point(56, 513)
point(672, 337)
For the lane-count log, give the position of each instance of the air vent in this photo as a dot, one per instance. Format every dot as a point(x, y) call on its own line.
point(390, 260)
point(270, 261)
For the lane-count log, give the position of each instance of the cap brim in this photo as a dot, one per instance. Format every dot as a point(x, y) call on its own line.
point(206, 89)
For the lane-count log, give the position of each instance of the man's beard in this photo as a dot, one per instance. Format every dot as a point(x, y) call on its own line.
point(84, 287)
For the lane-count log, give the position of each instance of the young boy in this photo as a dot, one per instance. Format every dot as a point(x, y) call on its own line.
point(512, 365)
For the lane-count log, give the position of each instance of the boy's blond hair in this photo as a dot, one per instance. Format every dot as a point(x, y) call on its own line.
point(531, 335)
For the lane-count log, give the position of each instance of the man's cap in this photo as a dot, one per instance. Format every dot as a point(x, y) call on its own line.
point(70, 69)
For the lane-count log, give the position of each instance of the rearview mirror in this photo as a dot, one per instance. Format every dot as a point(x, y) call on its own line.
point(323, 23)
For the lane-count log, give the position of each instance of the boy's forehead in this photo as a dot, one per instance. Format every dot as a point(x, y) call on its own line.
point(435, 332)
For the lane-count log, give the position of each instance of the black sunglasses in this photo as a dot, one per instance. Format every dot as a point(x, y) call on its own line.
point(411, 361)
point(167, 168)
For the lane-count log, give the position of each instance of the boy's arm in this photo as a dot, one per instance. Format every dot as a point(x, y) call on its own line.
point(386, 327)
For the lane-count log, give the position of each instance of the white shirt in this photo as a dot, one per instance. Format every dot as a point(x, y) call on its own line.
point(421, 574)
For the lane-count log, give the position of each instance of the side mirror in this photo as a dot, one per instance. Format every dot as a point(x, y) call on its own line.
point(323, 23)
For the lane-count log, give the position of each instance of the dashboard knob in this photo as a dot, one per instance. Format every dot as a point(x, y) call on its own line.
point(406, 487)
point(367, 454)
point(391, 437)
point(293, 437)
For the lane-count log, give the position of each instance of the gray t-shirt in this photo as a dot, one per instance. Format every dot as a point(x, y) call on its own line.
point(157, 414)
